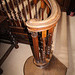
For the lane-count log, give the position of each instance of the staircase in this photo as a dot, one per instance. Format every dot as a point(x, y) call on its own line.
point(21, 32)
point(40, 19)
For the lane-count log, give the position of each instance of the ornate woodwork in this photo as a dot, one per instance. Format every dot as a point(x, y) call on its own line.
point(45, 27)
point(39, 17)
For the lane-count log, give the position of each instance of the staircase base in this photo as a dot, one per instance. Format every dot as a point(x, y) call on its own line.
point(55, 67)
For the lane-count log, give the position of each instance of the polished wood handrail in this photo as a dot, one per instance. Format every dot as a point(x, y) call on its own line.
point(36, 25)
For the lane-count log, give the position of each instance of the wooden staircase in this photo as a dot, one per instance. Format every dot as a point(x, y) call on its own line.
point(19, 28)
point(33, 21)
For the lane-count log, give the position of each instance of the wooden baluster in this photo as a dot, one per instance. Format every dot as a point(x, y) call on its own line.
point(2, 8)
point(43, 33)
point(39, 12)
point(19, 13)
point(1, 11)
point(29, 9)
point(12, 7)
point(35, 45)
point(24, 11)
point(35, 2)
point(48, 48)
point(44, 45)
point(5, 13)
point(8, 9)
point(48, 11)
point(32, 4)
point(42, 7)
point(50, 34)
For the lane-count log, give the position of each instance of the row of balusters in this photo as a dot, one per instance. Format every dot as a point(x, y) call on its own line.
point(19, 22)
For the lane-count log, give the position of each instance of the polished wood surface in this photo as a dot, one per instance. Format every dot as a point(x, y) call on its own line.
point(21, 11)
point(36, 25)
point(45, 28)
point(29, 6)
point(36, 46)
point(49, 44)
point(2, 18)
point(55, 67)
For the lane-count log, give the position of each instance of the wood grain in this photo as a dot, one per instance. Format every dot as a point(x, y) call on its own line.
point(36, 25)
point(55, 67)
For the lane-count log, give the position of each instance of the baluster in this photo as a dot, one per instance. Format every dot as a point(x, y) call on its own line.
point(24, 11)
point(48, 11)
point(1, 12)
point(43, 33)
point(35, 2)
point(12, 7)
point(2, 8)
point(8, 9)
point(48, 48)
point(50, 34)
point(42, 7)
point(32, 4)
point(19, 13)
point(36, 46)
point(29, 9)
point(44, 45)
point(5, 13)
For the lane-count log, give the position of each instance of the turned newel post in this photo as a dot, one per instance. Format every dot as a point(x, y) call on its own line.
point(35, 2)
point(35, 46)
point(42, 54)
point(42, 32)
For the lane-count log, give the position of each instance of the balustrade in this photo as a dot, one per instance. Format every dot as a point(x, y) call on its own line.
point(41, 28)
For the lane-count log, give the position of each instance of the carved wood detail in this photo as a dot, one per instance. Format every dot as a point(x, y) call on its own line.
point(45, 27)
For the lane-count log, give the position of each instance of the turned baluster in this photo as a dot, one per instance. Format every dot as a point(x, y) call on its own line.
point(12, 7)
point(43, 33)
point(29, 8)
point(24, 10)
point(1, 13)
point(2, 8)
point(9, 11)
point(49, 38)
point(49, 45)
point(44, 46)
point(19, 13)
point(48, 11)
point(42, 7)
point(45, 29)
point(5, 13)
point(35, 2)
point(35, 46)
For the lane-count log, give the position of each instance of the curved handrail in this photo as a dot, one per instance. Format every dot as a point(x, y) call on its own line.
point(36, 25)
